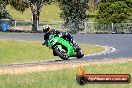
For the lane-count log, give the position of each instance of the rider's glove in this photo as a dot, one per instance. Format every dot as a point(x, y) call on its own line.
point(60, 35)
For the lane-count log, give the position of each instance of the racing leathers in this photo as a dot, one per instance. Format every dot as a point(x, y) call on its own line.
point(64, 35)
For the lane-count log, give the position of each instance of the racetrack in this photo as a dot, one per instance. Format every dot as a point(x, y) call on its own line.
point(122, 43)
point(120, 46)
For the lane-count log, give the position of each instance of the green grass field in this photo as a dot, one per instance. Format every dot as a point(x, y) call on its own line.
point(48, 13)
point(12, 51)
point(65, 78)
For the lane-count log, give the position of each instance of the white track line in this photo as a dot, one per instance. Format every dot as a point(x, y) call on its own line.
point(108, 49)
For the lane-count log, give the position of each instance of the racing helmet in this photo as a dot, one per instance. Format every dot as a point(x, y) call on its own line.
point(46, 28)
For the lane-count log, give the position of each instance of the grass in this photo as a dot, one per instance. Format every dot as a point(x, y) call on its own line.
point(65, 78)
point(48, 12)
point(12, 51)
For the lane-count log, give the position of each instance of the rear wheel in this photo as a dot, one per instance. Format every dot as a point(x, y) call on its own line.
point(80, 54)
point(61, 53)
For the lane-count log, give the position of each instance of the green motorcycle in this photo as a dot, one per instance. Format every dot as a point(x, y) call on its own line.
point(63, 48)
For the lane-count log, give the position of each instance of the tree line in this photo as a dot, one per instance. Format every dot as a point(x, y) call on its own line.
point(74, 11)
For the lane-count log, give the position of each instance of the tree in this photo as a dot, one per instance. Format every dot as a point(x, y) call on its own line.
point(19, 5)
point(93, 4)
point(36, 5)
point(114, 11)
point(3, 12)
point(73, 12)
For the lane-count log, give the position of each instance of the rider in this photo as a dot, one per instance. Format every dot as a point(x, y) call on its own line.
point(65, 35)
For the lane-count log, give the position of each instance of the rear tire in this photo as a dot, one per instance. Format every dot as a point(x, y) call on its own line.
point(60, 54)
point(80, 54)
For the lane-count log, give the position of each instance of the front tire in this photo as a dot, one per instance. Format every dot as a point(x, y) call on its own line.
point(60, 54)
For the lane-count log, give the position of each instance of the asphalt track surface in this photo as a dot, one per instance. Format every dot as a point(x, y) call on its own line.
point(122, 43)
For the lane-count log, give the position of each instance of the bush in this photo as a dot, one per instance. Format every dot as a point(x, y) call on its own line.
point(3, 12)
point(114, 11)
point(73, 12)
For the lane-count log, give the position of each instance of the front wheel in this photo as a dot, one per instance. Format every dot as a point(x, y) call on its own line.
point(61, 54)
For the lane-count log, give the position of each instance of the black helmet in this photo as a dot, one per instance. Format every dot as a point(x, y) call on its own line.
point(46, 28)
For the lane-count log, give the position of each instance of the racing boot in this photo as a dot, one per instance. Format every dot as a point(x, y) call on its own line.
point(75, 45)
point(45, 43)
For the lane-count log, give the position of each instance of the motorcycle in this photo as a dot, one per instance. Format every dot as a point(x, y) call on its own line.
point(63, 48)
